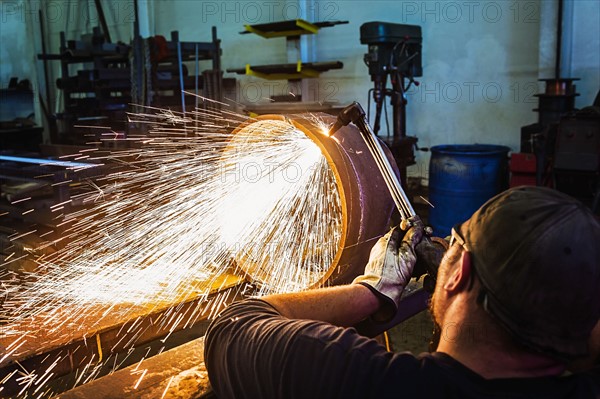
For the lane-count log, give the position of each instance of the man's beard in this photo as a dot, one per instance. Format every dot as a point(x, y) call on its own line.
point(436, 307)
point(437, 330)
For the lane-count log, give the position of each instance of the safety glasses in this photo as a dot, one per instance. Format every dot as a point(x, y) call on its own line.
point(455, 237)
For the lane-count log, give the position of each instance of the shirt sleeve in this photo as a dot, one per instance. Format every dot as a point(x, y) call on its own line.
point(251, 351)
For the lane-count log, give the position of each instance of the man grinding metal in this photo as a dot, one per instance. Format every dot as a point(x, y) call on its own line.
point(517, 299)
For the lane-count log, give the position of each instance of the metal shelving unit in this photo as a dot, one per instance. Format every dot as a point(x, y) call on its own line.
point(295, 70)
point(113, 76)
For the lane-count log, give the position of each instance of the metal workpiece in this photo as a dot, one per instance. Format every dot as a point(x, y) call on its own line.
point(366, 204)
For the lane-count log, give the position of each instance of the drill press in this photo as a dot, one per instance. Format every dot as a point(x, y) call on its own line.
point(394, 51)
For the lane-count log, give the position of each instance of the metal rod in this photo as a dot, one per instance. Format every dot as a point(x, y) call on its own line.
point(196, 75)
point(354, 113)
point(46, 78)
point(48, 107)
point(400, 199)
point(103, 20)
point(43, 161)
point(181, 85)
point(559, 21)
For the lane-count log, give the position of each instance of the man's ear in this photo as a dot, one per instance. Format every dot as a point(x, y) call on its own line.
point(460, 275)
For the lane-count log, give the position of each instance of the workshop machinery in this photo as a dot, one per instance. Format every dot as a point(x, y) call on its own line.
point(561, 149)
point(394, 53)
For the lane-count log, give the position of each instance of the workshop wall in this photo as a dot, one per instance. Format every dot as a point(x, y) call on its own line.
point(16, 51)
point(584, 58)
point(477, 62)
point(481, 59)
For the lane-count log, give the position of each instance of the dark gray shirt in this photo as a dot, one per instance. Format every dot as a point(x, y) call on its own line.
point(251, 351)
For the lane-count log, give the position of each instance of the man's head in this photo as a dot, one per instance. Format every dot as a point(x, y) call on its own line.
point(536, 256)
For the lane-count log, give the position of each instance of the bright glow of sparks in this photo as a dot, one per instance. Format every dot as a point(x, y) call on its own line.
point(280, 213)
point(184, 206)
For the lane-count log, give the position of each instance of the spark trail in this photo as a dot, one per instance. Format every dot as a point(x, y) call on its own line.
point(187, 204)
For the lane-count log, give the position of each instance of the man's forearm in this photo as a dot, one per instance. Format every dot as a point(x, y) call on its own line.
point(343, 305)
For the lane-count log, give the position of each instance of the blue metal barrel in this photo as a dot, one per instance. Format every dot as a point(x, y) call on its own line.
point(461, 179)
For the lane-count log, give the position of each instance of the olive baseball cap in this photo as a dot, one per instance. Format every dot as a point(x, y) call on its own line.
point(537, 254)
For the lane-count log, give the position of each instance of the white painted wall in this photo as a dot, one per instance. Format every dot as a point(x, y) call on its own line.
point(580, 45)
point(16, 51)
point(17, 58)
point(584, 60)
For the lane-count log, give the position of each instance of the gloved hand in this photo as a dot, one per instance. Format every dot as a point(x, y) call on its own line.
point(390, 267)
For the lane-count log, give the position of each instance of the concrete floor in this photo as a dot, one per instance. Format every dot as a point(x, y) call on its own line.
point(413, 335)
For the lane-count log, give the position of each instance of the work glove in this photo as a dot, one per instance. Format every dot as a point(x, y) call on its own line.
point(389, 269)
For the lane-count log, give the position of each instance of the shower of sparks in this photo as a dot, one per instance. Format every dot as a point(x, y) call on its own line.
point(183, 206)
